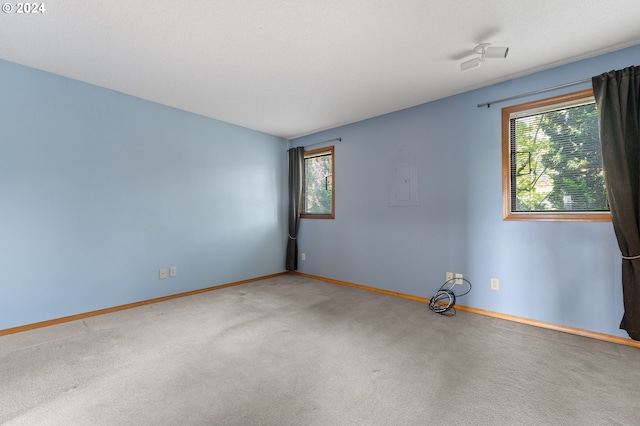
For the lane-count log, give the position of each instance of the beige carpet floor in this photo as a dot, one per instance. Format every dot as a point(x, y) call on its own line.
point(296, 351)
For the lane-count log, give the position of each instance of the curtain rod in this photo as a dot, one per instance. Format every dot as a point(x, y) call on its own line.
point(330, 140)
point(488, 104)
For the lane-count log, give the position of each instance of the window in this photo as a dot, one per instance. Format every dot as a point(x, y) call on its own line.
point(318, 190)
point(551, 160)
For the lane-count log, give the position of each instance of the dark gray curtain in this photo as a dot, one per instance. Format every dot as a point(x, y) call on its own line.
point(296, 169)
point(617, 96)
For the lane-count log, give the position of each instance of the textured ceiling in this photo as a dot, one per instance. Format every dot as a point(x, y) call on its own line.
point(291, 68)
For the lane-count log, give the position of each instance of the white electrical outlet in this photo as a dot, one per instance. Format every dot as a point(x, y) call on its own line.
point(303, 256)
point(163, 273)
point(459, 279)
point(495, 284)
point(173, 271)
point(448, 276)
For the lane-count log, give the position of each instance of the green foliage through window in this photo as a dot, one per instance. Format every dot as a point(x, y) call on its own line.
point(556, 162)
point(318, 183)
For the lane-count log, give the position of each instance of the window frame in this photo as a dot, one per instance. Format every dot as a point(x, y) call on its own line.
point(507, 213)
point(315, 153)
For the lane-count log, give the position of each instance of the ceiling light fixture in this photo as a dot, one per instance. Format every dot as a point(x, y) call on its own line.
point(485, 51)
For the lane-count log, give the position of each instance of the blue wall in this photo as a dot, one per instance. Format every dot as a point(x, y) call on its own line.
point(99, 190)
point(558, 272)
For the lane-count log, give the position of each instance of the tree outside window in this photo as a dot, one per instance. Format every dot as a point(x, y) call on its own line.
point(552, 164)
point(318, 193)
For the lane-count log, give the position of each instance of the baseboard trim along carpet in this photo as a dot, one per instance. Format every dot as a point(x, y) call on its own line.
point(527, 321)
point(577, 331)
point(127, 306)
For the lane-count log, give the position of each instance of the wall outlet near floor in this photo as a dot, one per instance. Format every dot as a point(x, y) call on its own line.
point(448, 276)
point(495, 284)
point(163, 273)
point(459, 279)
point(173, 271)
point(303, 256)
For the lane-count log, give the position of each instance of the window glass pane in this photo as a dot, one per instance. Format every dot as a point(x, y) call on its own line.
point(318, 184)
point(556, 163)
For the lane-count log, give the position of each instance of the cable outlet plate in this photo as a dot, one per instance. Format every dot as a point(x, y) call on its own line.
point(459, 279)
point(163, 273)
point(448, 276)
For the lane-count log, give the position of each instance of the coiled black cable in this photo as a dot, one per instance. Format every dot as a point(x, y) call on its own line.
point(444, 300)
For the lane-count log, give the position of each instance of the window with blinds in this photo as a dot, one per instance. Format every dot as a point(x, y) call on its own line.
point(318, 195)
point(552, 163)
